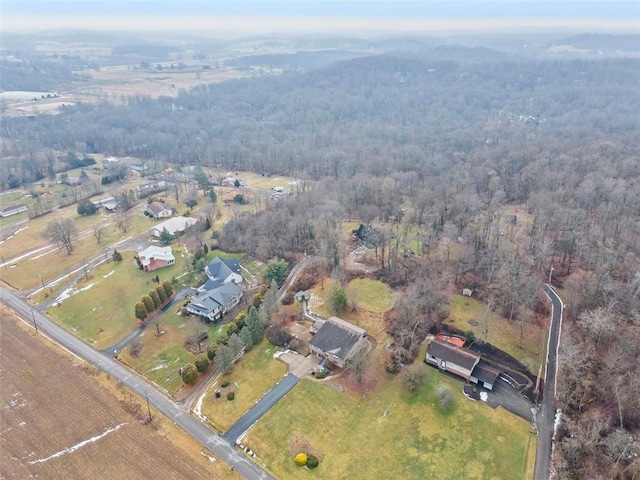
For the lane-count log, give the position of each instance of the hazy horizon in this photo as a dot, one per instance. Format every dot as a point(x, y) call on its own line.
point(270, 16)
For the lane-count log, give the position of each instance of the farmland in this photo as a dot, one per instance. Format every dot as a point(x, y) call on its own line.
point(59, 421)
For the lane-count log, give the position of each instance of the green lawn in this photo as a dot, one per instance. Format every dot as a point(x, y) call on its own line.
point(255, 266)
point(255, 374)
point(101, 309)
point(371, 294)
point(392, 434)
point(501, 333)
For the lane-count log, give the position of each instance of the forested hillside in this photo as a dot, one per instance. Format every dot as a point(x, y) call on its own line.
point(506, 167)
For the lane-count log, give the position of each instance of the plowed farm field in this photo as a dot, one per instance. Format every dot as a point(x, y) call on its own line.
point(58, 422)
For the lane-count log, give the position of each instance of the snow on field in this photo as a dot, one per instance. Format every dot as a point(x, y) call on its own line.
point(78, 446)
point(108, 274)
point(70, 292)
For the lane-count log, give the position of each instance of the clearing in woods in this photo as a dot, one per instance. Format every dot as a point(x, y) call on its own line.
point(58, 422)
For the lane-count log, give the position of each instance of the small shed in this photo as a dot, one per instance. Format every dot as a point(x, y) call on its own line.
point(467, 292)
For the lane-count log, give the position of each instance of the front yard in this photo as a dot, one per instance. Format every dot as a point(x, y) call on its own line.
point(391, 433)
point(255, 374)
point(100, 309)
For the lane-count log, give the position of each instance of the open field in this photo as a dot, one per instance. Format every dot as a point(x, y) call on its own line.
point(255, 374)
point(371, 294)
point(58, 422)
point(501, 333)
point(390, 433)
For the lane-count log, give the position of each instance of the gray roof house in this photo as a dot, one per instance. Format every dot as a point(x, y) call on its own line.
point(216, 301)
point(337, 340)
point(227, 270)
point(461, 362)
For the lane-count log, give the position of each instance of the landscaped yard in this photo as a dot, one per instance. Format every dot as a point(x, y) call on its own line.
point(255, 374)
point(500, 332)
point(100, 310)
point(370, 294)
point(392, 434)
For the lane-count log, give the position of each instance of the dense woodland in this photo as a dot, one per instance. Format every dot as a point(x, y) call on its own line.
point(439, 142)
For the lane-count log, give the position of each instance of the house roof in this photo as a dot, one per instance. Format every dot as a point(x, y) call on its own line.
point(173, 225)
point(485, 373)
point(159, 253)
point(337, 337)
point(221, 269)
point(13, 207)
point(450, 353)
point(157, 207)
point(216, 297)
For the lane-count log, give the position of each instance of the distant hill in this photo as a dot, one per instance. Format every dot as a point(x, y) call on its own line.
point(589, 41)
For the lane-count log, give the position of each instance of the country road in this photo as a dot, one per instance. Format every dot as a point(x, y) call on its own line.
point(546, 416)
point(210, 440)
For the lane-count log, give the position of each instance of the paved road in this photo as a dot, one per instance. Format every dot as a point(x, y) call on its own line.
point(211, 441)
point(283, 387)
point(546, 415)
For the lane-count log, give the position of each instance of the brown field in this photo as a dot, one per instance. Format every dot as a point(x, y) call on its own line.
point(51, 403)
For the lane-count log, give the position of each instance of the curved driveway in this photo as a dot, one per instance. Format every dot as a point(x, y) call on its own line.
point(213, 442)
point(546, 416)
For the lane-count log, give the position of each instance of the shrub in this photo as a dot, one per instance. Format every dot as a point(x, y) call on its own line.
point(225, 384)
point(469, 336)
point(231, 396)
point(189, 373)
point(312, 461)
point(218, 394)
point(321, 374)
point(301, 459)
point(414, 377)
point(445, 397)
point(202, 363)
point(232, 329)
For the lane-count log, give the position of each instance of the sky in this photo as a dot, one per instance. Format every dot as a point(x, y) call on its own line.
point(317, 14)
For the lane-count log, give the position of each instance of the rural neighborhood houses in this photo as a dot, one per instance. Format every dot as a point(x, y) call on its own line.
point(13, 209)
point(159, 210)
point(153, 258)
point(174, 226)
point(337, 340)
point(462, 362)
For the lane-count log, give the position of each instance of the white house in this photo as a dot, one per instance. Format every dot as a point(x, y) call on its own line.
point(174, 226)
point(13, 209)
point(153, 258)
point(159, 210)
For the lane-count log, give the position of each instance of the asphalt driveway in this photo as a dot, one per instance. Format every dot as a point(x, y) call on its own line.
point(283, 387)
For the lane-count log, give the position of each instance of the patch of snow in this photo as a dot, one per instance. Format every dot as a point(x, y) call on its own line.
point(484, 396)
point(159, 367)
point(77, 446)
point(108, 274)
point(211, 459)
point(87, 287)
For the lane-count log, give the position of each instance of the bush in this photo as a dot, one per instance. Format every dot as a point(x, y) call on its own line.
point(301, 459)
point(321, 374)
point(231, 396)
point(444, 395)
point(189, 373)
point(414, 377)
point(225, 384)
point(218, 394)
point(202, 363)
point(312, 461)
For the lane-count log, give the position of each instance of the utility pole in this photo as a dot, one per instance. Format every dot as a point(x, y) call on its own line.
point(35, 324)
point(146, 396)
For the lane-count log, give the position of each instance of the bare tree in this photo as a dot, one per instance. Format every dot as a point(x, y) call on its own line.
point(357, 362)
point(97, 232)
point(61, 233)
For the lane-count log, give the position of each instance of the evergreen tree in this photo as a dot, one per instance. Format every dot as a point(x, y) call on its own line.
point(168, 288)
point(247, 338)
point(255, 326)
point(236, 344)
point(161, 293)
point(148, 303)
point(141, 311)
point(155, 298)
